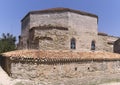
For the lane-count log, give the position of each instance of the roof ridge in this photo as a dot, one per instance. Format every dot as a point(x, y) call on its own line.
point(60, 9)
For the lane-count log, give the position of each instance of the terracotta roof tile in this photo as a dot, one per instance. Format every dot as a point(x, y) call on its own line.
point(60, 9)
point(65, 54)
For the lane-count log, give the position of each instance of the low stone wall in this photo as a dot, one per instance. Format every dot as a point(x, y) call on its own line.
point(37, 72)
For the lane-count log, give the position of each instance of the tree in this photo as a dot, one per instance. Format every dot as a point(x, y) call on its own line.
point(7, 42)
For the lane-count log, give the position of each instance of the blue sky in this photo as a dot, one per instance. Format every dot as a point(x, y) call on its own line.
point(12, 11)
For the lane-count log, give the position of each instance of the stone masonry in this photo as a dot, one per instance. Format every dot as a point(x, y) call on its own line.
point(55, 48)
point(59, 71)
point(56, 67)
point(81, 26)
point(78, 73)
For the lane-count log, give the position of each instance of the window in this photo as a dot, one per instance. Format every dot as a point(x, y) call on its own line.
point(73, 43)
point(93, 45)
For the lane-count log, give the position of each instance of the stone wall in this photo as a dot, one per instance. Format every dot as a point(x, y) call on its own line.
point(38, 72)
point(111, 40)
point(117, 46)
point(76, 23)
point(81, 27)
point(102, 43)
point(105, 43)
point(61, 39)
point(25, 25)
point(82, 23)
point(34, 20)
point(52, 39)
point(55, 19)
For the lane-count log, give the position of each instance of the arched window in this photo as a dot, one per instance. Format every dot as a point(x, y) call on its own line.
point(73, 43)
point(93, 45)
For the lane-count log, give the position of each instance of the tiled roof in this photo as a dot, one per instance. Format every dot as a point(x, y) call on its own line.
point(64, 54)
point(60, 9)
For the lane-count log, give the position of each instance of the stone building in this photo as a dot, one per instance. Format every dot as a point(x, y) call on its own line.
point(54, 66)
point(55, 46)
point(63, 29)
point(117, 46)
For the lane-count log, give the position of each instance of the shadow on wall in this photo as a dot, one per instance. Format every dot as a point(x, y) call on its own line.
point(5, 64)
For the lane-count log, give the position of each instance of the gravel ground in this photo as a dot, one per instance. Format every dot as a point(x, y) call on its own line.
point(4, 78)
